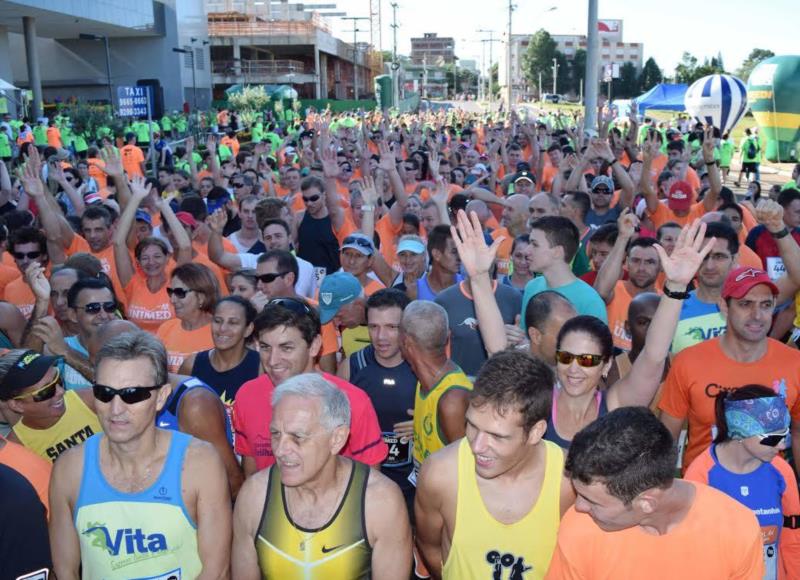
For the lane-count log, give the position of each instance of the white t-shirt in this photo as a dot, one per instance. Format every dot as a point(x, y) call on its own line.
point(305, 285)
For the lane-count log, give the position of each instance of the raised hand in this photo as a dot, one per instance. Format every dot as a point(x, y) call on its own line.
point(387, 158)
point(708, 144)
point(769, 213)
point(650, 148)
point(37, 280)
point(217, 220)
point(31, 174)
point(189, 145)
point(681, 266)
point(49, 332)
point(140, 188)
point(433, 163)
point(369, 192)
point(211, 145)
point(476, 257)
point(627, 223)
point(113, 162)
point(330, 168)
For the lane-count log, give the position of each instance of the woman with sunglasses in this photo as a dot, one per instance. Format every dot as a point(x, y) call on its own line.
point(145, 283)
point(744, 462)
point(193, 292)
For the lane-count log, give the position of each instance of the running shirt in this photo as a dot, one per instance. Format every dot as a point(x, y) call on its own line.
point(698, 321)
point(167, 417)
point(551, 434)
point(75, 426)
point(617, 311)
point(144, 536)
point(226, 383)
point(339, 549)
point(252, 414)
point(35, 469)
point(69, 375)
point(148, 310)
point(428, 435)
point(718, 539)
point(181, 343)
point(770, 492)
point(424, 290)
point(583, 297)
point(483, 548)
point(132, 157)
point(317, 242)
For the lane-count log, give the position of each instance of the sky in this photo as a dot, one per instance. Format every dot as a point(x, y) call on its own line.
point(667, 28)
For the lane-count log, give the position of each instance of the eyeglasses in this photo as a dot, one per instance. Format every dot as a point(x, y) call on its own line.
point(129, 395)
point(311, 198)
point(603, 190)
point(773, 439)
point(238, 184)
point(293, 304)
point(270, 277)
point(584, 360)
point(46, 392)
point(95, 307)
point(23, 255)
point(180, 293)
point(363, 242)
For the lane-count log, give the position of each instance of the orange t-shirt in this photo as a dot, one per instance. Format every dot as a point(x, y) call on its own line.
point(504, 251)
point(54, 137)
point(748, 257)
point(663, 215)
point(20, 295)
point(698, 373)
point(617, 311)
point(95, 172)
point(657, 166)
point(7, 275)
point(106, 257)
point(700, 546)
point(146, 309)
point(219, 273)
point(181, 343)
point(32, 467)
point(372, 286)
point(132, 157)
point(548, 175)
point(388, 232)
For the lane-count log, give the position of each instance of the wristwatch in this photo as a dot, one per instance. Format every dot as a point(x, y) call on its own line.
point(781, 234)
point(675, 295)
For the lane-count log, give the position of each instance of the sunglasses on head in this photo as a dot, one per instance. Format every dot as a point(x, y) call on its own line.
point(773, 439)
point(129, 395)
point(311, 198)
point(585, 360)
point(95, 307)
point(23, 255)
point(270, 277)
point(292, 304)
point(44, 393)
point(178, 292)
point(357, 241)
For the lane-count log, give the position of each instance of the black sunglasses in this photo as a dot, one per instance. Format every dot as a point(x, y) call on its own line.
point(23, 255)
point(769, 439)
point(585, 360)
point(238, 184)
point(293, 304)
point(95, 307)
point(603, 190)
point(310, 198)
point(179, 292)
point(364, 243)
point(129, 395)
point(270, 277)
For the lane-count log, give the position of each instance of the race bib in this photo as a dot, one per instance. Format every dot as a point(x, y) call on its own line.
point(775, 268)
point(400, 451)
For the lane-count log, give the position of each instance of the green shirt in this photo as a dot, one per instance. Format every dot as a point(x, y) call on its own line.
point(180, 124)
point(166, 123)
point(745, 149)
point(80, 144)
point(40, 135)
point(726, 149)
point(224, 152)
point(142, 132)
point(257, 132)
point(5, 145)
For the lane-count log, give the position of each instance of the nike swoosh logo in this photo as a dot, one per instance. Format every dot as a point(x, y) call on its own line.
point(326, 550)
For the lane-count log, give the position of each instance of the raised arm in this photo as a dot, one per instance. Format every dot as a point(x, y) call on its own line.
point(650, 150)
point(64, 541)
point(770, 214)
point(112, 167)
point(714, 179)
point(611, 270)
point(213, 163)
point(388, 164)
point(126, 270)
point(573, 183)
point(216, 251)
point(639, 386)
point(50, 218)
point(331, 170)
point(620, 174)
point(75, 198)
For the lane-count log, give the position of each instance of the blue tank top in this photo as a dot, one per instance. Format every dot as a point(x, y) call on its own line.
point(552, 435)
point(148, 534)
point(226, 383)
point(167, 418)
point(424, 290)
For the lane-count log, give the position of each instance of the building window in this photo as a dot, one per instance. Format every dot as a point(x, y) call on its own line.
point(568, 43)
point(634, 57)
point(187, 56)
point(200, 58)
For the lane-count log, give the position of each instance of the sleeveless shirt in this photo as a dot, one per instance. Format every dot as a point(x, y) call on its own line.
point(552, 435)
point(226, 383)
point(482, 547)
point(340, 549)
point(75, 426)
point(167, 417)
point(317, 243)
point(148, 534)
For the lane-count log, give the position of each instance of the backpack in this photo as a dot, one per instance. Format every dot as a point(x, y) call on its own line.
point(751, 149)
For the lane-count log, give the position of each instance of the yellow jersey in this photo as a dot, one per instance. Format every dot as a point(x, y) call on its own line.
point(340, 549)
point(483, 548)
point(428, 436)
point(75, 426)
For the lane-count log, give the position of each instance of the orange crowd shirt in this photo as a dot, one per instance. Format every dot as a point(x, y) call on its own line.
point(148, 310)
point(181, 343)
point(32, 467)
point(132, 158)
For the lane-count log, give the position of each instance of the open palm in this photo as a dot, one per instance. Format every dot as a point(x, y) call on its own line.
point(681, 266)
point(476, 257)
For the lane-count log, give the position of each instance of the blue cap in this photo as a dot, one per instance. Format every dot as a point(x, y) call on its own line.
point(603, 180)
point(337, 290)
point(143, 216)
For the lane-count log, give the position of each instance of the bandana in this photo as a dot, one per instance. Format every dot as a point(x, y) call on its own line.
point(756, 417)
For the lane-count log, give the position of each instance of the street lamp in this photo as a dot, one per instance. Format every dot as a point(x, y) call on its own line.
point(104, 38)
point(194, 80)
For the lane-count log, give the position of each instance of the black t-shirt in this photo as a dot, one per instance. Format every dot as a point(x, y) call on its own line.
point(24, 543)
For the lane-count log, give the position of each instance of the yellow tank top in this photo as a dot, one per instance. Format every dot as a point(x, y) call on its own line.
point(484, 548)
point(75, 426)
point(340, 549)
point(428, 436)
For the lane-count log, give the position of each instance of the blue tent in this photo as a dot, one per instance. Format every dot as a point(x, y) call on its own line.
point(663, 97)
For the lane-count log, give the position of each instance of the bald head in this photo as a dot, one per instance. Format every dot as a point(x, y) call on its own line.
point(109, 330)
point(543, 204)
point(640, 314)
point(518, 203)
point(480, 208)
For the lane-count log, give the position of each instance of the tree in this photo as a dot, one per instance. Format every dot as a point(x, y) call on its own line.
point(577, 70)
point(538, 59)
point(651, 75)
point(688, 71)
point(467, 80)
point(756, 56)
point(627, 85)
point(495, 83)
point(386, 56)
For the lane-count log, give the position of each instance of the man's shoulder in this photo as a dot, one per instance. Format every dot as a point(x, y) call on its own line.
point(258, 387)
point(354, 393)
point(710, 506)
point(703, 349)
point(776, 348)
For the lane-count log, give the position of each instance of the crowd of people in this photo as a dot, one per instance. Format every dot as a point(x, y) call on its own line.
point(443, 344)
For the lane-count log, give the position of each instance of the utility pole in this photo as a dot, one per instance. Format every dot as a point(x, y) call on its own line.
point(482, 77)
point(509, 81)
point(424, 76)
point(592, 66)
point(355, 52)
point(555, 74)
point(395, 64)
point(490, 40)
point(540, 85)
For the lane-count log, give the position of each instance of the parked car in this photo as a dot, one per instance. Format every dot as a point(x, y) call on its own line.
point(552, 98)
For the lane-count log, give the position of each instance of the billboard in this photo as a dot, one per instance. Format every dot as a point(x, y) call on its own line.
point(609, 27)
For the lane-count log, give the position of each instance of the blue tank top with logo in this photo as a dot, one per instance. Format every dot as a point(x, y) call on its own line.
point(167, 418)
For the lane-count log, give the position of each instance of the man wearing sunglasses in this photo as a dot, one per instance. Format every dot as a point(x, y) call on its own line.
point(52, 419)
point(138, 501)
point(26, 245)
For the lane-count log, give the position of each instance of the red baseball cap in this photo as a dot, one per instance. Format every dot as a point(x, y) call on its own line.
point(743, 279)
point(186, 219)
point(680, 196)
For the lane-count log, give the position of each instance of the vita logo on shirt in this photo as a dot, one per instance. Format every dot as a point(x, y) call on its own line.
point(134, 541)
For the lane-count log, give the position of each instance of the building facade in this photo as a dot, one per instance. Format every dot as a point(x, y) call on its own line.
point(433, 50)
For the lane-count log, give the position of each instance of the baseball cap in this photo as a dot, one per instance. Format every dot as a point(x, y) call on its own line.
point(337, 290)
point(28, 370)
point(680, 196)
point(359, 242)
point(743, 279)
point(411, 245)
point(603, 180)
point(186, 219)
point(143, 216)
point(527, 175)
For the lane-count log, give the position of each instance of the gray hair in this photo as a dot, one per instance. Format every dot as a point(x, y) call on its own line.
point(334, 405)
point(427, 324)
point(133, 345)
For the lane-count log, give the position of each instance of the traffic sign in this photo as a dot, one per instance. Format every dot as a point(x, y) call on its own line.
point(132, 101)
